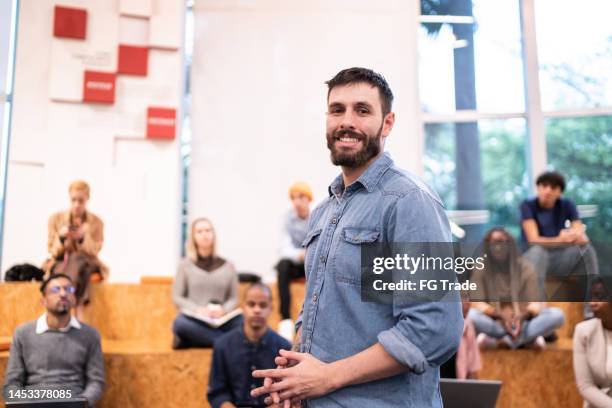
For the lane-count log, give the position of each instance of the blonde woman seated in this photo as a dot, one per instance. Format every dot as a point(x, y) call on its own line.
point(205, 286)
point(593, 351)
point(75, 237)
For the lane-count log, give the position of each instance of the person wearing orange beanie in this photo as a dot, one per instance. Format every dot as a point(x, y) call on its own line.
point(291, 264)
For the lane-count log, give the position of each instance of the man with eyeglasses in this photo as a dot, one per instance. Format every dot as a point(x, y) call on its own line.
point(55, 356)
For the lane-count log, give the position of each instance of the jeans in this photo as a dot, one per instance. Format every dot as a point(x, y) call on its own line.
point(287, 271)
point(544, 324)
point(194, 333)
point(564, 272)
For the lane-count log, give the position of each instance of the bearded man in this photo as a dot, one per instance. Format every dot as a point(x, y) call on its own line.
point(354, 353)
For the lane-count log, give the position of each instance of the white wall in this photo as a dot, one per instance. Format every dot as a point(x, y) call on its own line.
point(259, 103)
point(6, 10)
point(135, 182)
point(6, 14)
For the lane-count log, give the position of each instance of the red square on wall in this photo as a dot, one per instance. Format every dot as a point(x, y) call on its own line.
point(99, 87)
point(133, 60)
point(161, 123)
point(69, 22)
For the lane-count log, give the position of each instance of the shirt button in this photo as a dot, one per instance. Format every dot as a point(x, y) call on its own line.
point(334, 221)
point(322, 259)
point(253, 368)
point(252, 386)
point(314, 298)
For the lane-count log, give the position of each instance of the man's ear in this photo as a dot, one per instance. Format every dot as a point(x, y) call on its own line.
point(43, 302)
point(388, 122)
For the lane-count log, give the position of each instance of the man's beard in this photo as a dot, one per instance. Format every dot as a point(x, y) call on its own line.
point(60, 310)
point(371, 148)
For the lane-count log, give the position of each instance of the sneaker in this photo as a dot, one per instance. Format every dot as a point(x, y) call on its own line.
point(485, 342)
point(539, 344)
point(286, 329)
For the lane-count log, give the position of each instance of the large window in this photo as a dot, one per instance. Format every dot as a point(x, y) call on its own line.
point(500, 104)
point(575, 53)
point(582, 149)
point(502, 160)
point(444, 58)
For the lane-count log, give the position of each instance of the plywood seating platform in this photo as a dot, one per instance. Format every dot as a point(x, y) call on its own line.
point(146, 311)
point(5, 343)
point(534, 379)
point(149, 374)
point(118, 311)
point(574, 314)
point(141, 374)
point(143, 371)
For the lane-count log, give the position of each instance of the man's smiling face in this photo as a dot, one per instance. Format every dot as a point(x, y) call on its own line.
point(356, 127)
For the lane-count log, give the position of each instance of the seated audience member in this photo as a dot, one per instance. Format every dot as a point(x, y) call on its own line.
point(509, 311)
point(244, 349)
point(56, 351)
point(291, 264)
point(205, 285)
point(558, 243)
point(466, 362)
point(74, 240)
point(593, 351)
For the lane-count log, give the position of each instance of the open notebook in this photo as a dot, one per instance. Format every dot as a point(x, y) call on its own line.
point(213, 322)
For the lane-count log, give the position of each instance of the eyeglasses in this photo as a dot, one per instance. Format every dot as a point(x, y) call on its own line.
point(68, 288)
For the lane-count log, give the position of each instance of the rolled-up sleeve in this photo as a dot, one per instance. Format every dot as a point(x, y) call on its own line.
point(427, 333)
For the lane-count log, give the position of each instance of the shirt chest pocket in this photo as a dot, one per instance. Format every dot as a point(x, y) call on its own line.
point(310, 245)
point(346, 259)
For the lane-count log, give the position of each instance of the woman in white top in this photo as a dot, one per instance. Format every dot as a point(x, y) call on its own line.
point(205, 287)
point(593, 351)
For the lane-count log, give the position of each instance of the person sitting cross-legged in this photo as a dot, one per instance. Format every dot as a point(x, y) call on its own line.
point(509, 311)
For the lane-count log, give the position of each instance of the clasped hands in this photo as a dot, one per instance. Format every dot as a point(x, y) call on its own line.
point(298, 376)
point(512, 322)
point(571, 236)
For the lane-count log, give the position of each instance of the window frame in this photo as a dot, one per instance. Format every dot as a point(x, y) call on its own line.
point(535, 116)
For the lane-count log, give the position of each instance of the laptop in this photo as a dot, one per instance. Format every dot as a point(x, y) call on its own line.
point(469, 393)
point(67, 403)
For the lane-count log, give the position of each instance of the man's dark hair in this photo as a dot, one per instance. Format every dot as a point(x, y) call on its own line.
point(261, 286)
point(356, 75)
point(43, 285)
point(551, 178)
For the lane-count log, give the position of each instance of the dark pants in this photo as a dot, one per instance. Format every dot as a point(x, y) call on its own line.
point(287, 271)
point(194, 333)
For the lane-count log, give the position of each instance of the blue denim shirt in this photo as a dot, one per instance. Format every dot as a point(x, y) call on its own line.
point(384, 205)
